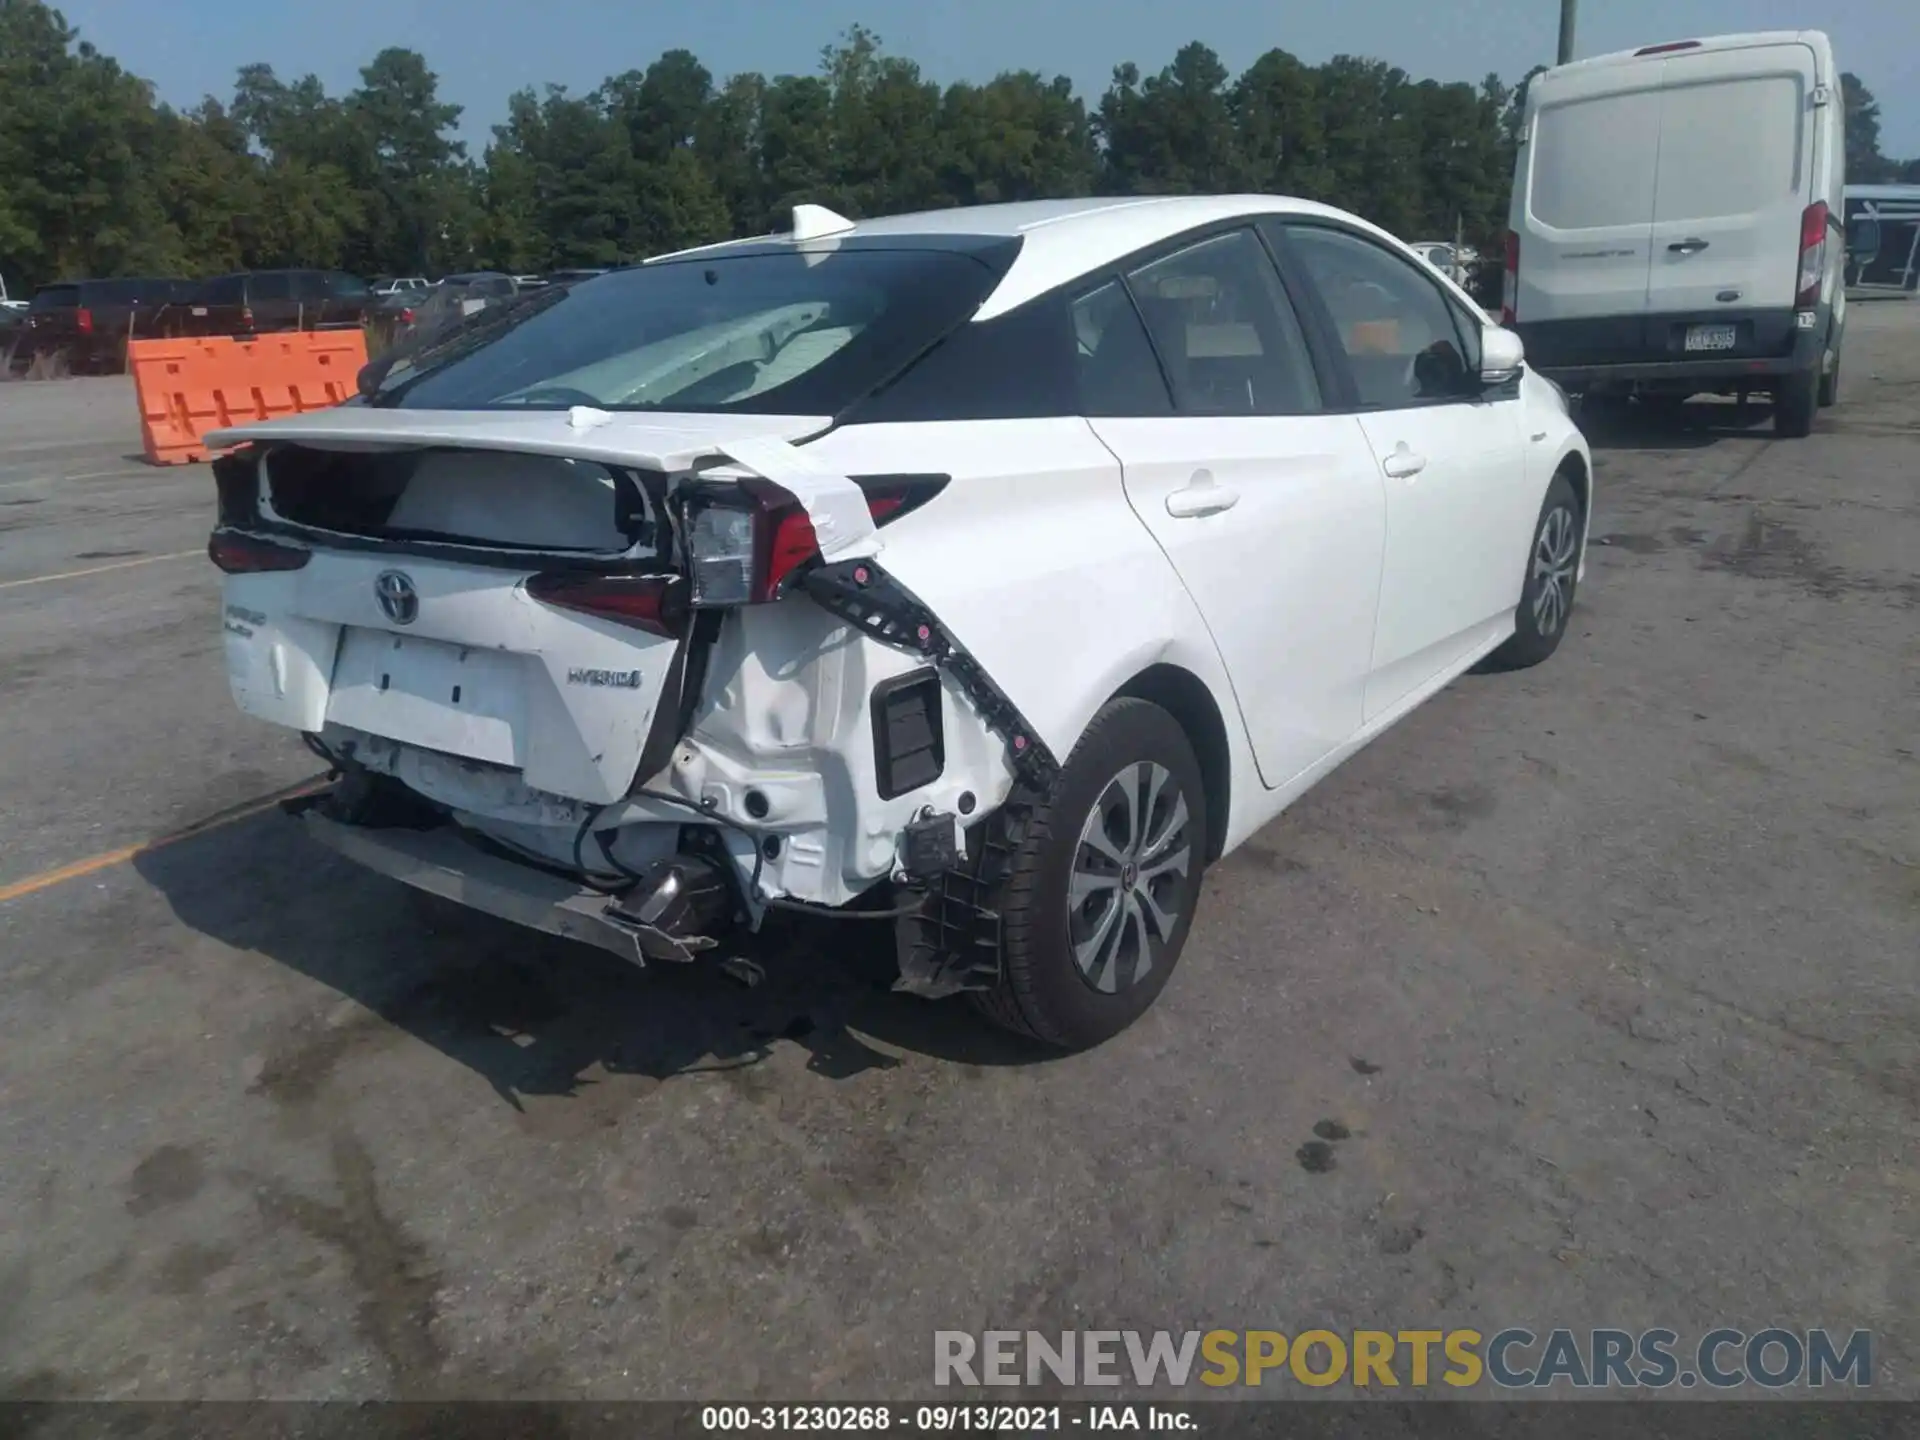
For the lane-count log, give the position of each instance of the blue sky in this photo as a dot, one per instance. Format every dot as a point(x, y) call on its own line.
point(482, 53)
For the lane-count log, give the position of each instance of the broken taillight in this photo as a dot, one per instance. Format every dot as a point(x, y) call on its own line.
point(239, 554)
point(746, 543)
point(647, 602)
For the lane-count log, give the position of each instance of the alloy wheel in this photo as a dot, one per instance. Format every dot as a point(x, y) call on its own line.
point(1129, 878)
point(1554, 553)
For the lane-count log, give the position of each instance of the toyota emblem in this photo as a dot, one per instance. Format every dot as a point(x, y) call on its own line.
point(399, 601)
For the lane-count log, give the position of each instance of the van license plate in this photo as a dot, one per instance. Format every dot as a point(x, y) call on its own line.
point(1710, 337)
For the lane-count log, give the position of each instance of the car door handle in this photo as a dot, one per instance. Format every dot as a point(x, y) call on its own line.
point(1687, 247)
point(1201, 497)
point(1403, 463)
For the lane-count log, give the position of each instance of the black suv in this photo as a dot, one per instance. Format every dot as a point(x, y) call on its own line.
point(254, 302)
point(92, 320)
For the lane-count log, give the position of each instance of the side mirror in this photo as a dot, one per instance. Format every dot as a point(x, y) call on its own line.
point(1863, 241)
point(1501, 355)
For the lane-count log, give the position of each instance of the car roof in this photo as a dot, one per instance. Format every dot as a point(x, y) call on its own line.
point(1061, 240)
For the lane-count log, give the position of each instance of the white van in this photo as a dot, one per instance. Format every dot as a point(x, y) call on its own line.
point(1677, 223)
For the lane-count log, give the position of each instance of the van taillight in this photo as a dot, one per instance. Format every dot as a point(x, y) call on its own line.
point(646, 602)
point(746, 543)
point(239, 554)
point(1510, 281)
point(83, 320)
point(1813, 256)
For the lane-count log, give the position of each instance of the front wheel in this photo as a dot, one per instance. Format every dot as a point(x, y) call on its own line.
point(1102, 887)
point(1553, 569)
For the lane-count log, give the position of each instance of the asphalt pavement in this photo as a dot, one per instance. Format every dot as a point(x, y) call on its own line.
point(1603, 976)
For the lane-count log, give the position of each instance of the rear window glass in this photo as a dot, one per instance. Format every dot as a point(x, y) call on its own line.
point(348, 287)
point(55, 297)
point(1730, 148)
point(772, 332)
point(1593, 161)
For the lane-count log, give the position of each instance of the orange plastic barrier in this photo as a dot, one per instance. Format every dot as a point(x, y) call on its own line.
point(188, 387)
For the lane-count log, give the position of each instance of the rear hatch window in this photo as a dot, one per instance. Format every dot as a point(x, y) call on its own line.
point(1594, 161)
point(770, 332)
point(1702, 175)
point(55, 297)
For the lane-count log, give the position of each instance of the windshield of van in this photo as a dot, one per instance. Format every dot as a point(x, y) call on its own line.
point(772, 332)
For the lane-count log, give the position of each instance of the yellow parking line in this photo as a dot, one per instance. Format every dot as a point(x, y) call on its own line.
point(100, 569)
point(47, 879)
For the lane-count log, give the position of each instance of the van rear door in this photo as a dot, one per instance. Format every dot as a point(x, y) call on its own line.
point(1735, 175)
point(1586, 221)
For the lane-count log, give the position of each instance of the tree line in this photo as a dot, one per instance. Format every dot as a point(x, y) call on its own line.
point(98, 178)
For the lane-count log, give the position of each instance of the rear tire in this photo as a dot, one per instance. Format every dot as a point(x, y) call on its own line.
point(1101, 891)
point(1546, 599)
point(1795, 400)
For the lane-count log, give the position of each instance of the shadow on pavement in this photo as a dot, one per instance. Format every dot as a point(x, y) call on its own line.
point(532, 1013)
point(1693, 425)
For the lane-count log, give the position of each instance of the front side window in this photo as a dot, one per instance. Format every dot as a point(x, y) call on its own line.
point(1402, 340)
point(780, 331)
point(1224, 329)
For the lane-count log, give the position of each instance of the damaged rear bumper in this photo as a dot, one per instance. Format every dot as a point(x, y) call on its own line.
point(636, 927)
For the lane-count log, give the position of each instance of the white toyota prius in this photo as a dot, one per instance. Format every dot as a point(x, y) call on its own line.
point(987, 573)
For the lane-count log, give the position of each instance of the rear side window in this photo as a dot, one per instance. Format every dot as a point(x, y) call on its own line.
point(270, 285)
point(1113, 358)
point(227, 290)
point(1592, 161)
point(1730, 147)
point(310, 286)
point(55, 297)
point(1224, 330)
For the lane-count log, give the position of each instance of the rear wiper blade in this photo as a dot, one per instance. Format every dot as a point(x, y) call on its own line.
point(461, 338)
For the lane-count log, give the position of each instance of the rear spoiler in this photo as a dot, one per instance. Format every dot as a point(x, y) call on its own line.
point(837, 507)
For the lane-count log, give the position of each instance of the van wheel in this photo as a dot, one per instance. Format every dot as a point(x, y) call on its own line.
point(1101, 890)
point(1794, 401)
point(1546, 598)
